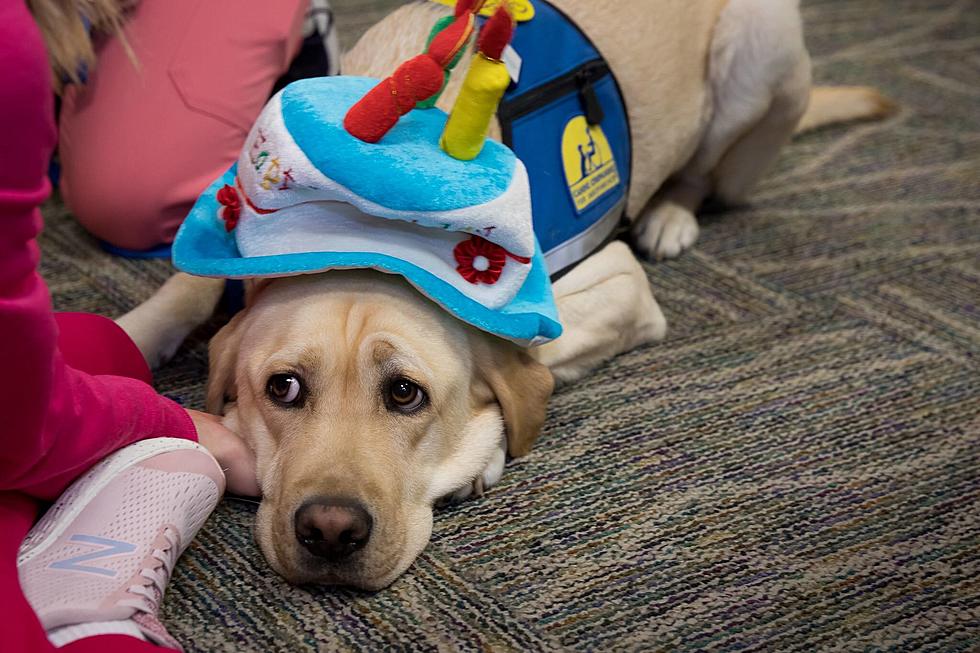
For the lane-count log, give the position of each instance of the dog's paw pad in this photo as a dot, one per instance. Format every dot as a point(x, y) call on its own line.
point(665, 231)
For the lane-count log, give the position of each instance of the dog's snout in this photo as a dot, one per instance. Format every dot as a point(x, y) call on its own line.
point(333, 528)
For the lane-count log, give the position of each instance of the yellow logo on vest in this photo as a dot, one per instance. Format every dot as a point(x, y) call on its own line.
point(522, 10)
point(590, 168)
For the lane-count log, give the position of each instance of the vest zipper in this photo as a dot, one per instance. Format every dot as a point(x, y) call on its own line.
point(580, 80)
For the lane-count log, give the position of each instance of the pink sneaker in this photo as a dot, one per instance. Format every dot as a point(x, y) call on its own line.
point(105, 550)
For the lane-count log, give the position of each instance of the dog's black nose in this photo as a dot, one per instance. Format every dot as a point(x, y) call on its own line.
point(333, 528)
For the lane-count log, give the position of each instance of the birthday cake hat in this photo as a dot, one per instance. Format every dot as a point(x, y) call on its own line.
point(350, 172)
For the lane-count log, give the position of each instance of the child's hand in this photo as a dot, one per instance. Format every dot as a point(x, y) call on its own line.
point(231, 452)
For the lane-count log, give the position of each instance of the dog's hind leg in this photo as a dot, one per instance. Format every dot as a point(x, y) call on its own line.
point(759, 74)
point(159, 325)
point(751, 156)
point(607, 307)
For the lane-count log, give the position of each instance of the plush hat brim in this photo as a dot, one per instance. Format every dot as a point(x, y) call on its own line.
point(203, 247)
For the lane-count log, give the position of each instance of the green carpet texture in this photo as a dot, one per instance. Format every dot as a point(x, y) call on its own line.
point(796, 468)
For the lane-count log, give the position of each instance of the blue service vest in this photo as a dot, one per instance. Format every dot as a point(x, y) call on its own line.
point(566, 120)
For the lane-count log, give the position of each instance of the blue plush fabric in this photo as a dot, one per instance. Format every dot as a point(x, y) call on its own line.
point(204, 248)
point(406, 170)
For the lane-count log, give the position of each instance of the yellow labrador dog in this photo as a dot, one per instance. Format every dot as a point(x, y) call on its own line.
point(365, 403)
point(364, 407)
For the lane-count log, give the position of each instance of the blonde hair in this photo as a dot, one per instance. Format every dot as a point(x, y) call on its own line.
point(68, 42)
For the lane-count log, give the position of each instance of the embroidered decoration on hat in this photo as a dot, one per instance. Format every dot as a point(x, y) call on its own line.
point(231, 206)
point(267, 163)
point(480, 261)
point(248, 200)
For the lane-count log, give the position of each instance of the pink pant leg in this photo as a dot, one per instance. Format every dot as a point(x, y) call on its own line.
point(97, 345)
point(21, 630)
point(138, 145)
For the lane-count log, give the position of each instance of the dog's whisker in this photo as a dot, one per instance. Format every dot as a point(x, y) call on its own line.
point(243, 500)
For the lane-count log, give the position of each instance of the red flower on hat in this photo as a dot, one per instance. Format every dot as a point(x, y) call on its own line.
point(480, 261)
point(232, 208)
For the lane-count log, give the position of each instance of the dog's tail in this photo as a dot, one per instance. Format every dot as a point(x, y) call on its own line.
point(833, 104)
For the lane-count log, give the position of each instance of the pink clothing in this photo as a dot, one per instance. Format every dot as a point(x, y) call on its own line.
point(109, 352)
point(57, 420)
point(139, 144)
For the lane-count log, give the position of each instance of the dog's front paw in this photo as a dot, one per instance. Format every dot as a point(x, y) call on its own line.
point(491, 476)
point(665, 231)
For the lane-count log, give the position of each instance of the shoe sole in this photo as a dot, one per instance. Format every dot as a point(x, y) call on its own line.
point(78, 495)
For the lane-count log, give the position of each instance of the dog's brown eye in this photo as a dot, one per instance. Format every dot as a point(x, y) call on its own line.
point(405, 396)
point(285, 389)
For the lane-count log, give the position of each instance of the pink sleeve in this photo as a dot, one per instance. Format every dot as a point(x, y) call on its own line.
point(56, 421)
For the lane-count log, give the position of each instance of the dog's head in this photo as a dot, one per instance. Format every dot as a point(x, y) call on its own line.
point(365, 403)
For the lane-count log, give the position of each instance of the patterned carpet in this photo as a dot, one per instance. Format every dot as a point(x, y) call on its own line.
point(796, 468)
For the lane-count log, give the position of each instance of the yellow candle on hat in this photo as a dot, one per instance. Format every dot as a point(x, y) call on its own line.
point(486, 81)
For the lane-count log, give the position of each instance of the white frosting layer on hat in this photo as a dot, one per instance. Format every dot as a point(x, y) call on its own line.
point(341, 227)
point(270, 153)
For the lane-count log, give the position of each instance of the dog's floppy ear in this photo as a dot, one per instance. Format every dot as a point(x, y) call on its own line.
point(223, 364)
point(223, 353)
point(520, 384)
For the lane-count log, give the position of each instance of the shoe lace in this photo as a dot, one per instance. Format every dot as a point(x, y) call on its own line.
point(154, 577)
